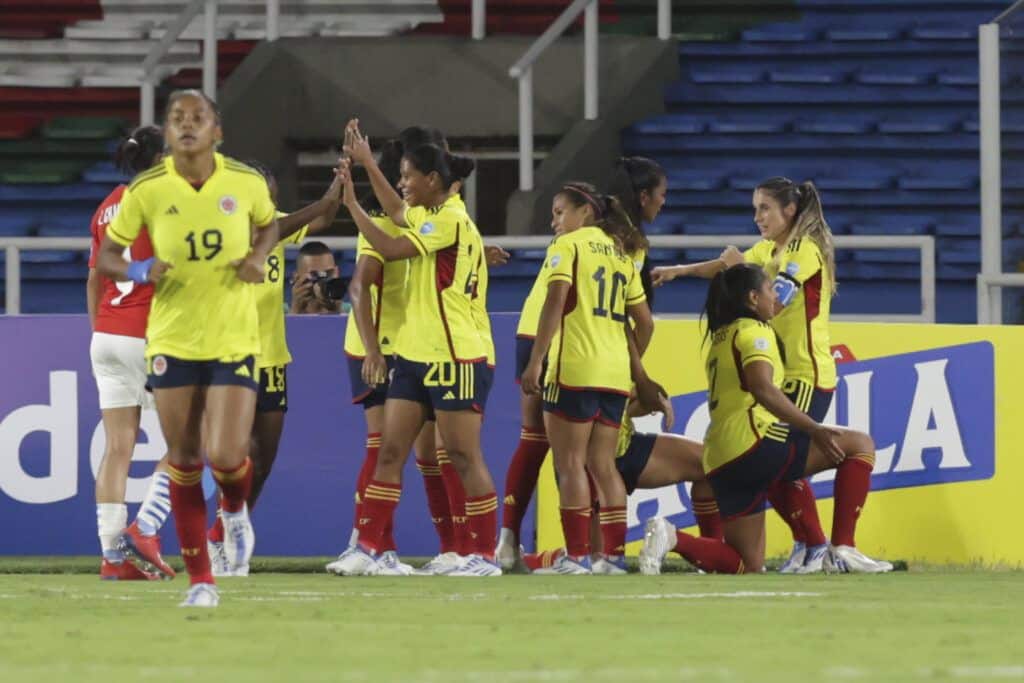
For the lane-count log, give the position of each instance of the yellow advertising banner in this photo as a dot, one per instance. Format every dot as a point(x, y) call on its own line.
point(943, 405)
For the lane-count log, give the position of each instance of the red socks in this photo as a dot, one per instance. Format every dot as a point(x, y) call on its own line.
point(710, 554)
point(234, 486)
point(456, 503)
point(437, 501)
point(521, 479)
point(366, 473)
point(378, 509)
point(795, 503)
point(853, 480)
point(535, 561)
point(576, 528)
point(613, 530)
point(709, 521)
point(481, 524)
point(189, 508)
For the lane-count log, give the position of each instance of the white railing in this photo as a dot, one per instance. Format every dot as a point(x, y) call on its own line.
point(522, 70)
point(150, 74)
point(990, 125)
point(925, 244)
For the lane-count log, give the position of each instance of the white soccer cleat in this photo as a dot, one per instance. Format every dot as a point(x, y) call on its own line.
point(796, 558)
point(354, 562)
point(353, 538)
point(389, 565)
point(847, 559)
point(219, 565)
point(441, 565)
point(239, 540)
point(201, 595)
point(477, 565)
point(814, 562)
point(610, 566)
point(509, 553)
point(659, 539)
point(566, 564)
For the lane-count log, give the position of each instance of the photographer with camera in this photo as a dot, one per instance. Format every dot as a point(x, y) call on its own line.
point(317, 288)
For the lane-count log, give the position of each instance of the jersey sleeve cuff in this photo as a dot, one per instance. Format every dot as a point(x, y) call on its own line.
point(118, 238)
point(560, 277)
point(757, 356)
point(371, 253)
point(636, 300)
point(416, 242)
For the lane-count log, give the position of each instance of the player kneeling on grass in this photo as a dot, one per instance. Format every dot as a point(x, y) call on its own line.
point(758, 437)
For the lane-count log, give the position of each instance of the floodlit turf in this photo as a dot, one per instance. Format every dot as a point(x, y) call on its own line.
point(306, 627)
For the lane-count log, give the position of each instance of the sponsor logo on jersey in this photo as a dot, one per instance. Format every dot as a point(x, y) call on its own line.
point(228, 205)
point(426, 228)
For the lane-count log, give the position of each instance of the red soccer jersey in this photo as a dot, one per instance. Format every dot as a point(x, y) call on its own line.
point(124, 306)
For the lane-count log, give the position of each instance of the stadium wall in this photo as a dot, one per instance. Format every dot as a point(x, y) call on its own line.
point(940, 401)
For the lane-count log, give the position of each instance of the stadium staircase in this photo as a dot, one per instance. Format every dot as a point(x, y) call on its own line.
point(69, 77)
point(876, 101)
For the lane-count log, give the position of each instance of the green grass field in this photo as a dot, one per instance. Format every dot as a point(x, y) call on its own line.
point(907, 626)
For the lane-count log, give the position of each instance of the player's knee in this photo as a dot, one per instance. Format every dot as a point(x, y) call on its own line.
point(389, 456)
point(859, 442)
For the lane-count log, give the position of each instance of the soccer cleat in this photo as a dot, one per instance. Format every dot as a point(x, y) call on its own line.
point(201, 595)
point(218, 559)
point(567, 564)
point(239, 540)
point(659, 539)
point(611, 565)
point(847, 559)
point(124, 571)
point(355, 561)
point(441, 565)
point(390, 565)
point(509, 553)
point(477, 565)
point(814, 563)
point(143, 551)
point(797, 558)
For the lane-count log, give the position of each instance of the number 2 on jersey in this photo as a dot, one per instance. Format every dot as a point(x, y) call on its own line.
point(618, 282)
point(211, 240)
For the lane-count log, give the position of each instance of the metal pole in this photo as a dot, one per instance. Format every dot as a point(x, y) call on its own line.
point(210, 50)
point(479, 19)
point(148, 97)
point(590, 62)
point(13, 283)
point(469, 191)
point(526, 130)
point(991, 163)
point(664, 19)
point(273, 19)
point(928, 281)
point(983, 300)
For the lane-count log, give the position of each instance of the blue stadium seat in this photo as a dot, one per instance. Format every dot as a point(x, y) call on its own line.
point(882, 271)
point(105, 172)
point(895, 74)
point(809, 74)
point(863, 34)
point(944, 31)
point(727, 74)
point(906, 226)
point(836, 123)
point(51, 256)
point(688, 179)
point(776, 33)
point(939, 180)
point(765, 124)
point(957, 271)
point(954, 250)
point(18, 222)
point(671, 124)
point(886, 255)
point(919, 122)
point(53, 296)
point(74, 192)
point(65, 223)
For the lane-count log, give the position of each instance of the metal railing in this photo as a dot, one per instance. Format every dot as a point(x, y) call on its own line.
point(150, 75)
point(522, 70)
point(925, 244)
point(991, 279)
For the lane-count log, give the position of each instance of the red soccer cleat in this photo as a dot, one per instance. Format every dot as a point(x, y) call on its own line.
point(126, 571)
point(144, 552)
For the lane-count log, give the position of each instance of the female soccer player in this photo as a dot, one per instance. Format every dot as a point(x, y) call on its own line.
point(203, 330)
point(441, 358)
point(118, 313)
point(797, 252)
point(272, 362)
point(759, 437)
point(591, 288)
point(640, 185)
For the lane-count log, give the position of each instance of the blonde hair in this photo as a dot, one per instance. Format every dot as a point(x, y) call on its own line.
point(809, 221)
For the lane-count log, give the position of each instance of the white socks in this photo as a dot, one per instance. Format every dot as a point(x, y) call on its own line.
point(111, 519)
point(156, 506)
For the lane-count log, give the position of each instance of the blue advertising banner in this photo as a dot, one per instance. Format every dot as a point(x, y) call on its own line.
point(51, 444)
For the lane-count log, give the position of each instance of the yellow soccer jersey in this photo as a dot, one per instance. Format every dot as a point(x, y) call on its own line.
point(529, 318)
point(590, 350)
point(200, 310)
point(738, 421)
point(805, 291)
point(387, 296)
point(270, 305)
point(439, 324)
point(480, 316)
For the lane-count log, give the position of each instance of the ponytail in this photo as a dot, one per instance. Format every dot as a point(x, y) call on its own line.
point(139, 150)
point(727, 296)
point(809, 221)
point(449, 167)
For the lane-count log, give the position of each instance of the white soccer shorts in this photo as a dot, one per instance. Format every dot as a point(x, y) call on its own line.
point(119, 366)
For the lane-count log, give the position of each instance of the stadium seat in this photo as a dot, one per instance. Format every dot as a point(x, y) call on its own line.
point(38, 172)
point(83, 128)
